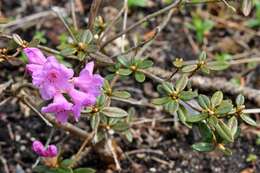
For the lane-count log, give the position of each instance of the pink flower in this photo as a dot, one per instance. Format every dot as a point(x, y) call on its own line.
point(35, 56)
point(36, 59)
point(89, 82)
point(53, 78)
point(38, 148)
point(80, 99)
point(50, 151)
point(60, 107)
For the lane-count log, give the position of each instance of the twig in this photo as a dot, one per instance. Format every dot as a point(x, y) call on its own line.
point(144, 150)
point(109, 26)
point(229, 24)
point(134, 102)
point(3, 160)
point(130, 28)
point(109, 142)
point(66, 126)
point(73, 14)
point(251, 111)
point(158, 30)
point(124, 25)
point(13, 25)
point(82, 147)
point(25, 101)
point(93, 13)
point(57, 11)
point(246, 60)
point(229, 6)
point(193, 44)
point(136, 47)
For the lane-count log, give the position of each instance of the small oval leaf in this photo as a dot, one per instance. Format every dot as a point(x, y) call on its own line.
point(114, 112)
point(246, 118)
point(203, 147)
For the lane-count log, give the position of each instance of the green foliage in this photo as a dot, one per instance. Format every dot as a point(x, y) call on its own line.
point(137, 3)
point(200, 26)
point(255, 23)
point(173, 94)
point(204, 66)
point(81, 47)
point(62, 167)
point(203, 147)
point(251, 158)
point(39, 35)
point(126, 67)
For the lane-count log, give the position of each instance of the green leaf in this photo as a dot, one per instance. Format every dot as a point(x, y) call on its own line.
point(251, 158)
point(218, 65)
point(168, 87)
point(41, 169)
point(114, 112)
point(139, 76)
point(205, 132)
point(189, 68)
point(145, 64)
point(161, 101)
point(121, 94)
point(124, 72)
point(246, 118)
point(84, 170)
point(212, 120)
point(66, 163)
point(196, 118)
point(122, 60)
point(225, 150)
point(205, 69)
point(224, 131)
point(60, 170)
point(120, 126)
point(172, 106)
point(128, 135)
point(86, 36)
point(94, 121)
point(203, 147)
point(106, 85)
point(137, 3)
point(224, 108)
point(181, 83)
point(240, 100)
point(233, 125)
point(68, 51)
point(203, 56)
point(203, 101)
point(101, 100)
point(187, 95)
point(216, 99)
point(182, 114)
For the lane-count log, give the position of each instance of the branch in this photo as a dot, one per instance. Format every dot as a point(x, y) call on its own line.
point(93, 13)
point(206, 83)
point(73, 130)
point(130, 28)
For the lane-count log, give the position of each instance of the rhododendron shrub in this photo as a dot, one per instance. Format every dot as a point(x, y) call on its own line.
point(67, 93)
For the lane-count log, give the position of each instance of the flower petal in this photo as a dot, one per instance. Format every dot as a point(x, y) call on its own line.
point(35, 56)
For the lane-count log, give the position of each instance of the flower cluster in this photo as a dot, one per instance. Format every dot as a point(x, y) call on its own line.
point(49, 151)
point(54, 80)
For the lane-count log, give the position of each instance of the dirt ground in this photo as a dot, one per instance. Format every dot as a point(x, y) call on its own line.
point(160, 147)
